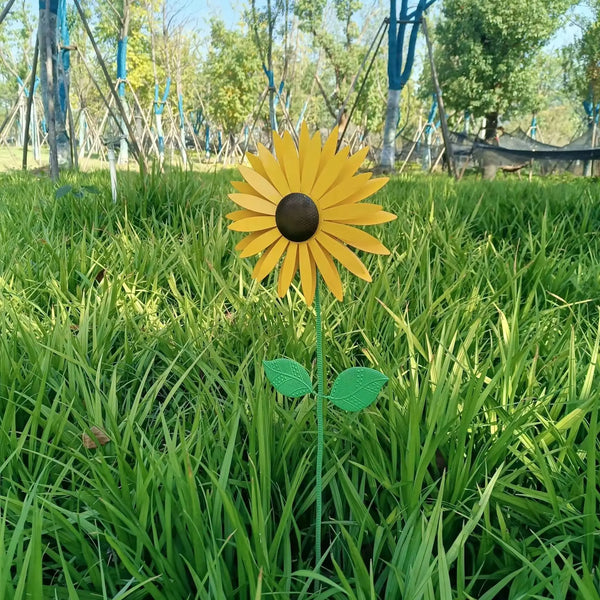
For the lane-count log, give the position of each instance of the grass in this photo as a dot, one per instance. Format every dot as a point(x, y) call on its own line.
point(474, 475)
point(11, 159)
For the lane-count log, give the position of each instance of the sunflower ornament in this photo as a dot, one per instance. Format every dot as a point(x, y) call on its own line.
point(300, 208)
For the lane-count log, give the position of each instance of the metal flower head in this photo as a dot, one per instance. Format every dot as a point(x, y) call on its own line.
point(301, 205)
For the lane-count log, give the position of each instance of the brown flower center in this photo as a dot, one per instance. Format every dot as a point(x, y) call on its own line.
point(297, 217)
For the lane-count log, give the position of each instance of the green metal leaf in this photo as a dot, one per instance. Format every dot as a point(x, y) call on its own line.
point(63, 191)
point(356, 388)
point(288, 377)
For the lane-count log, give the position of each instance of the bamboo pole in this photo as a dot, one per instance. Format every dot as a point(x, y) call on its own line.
point(36, 54)
point(440, 101)
point(46, 45)
point(6, 10)
point(140, 156)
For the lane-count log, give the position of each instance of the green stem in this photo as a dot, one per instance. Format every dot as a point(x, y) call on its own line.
point(320, 435)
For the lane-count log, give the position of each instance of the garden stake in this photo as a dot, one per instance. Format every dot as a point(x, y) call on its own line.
point(300, 206)
point(320, 425)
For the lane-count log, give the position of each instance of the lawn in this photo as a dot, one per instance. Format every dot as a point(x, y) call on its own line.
point(473, 476)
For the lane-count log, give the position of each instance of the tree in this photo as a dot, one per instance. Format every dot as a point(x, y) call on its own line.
point(555, 107)
point(232, 76)
point(582, 65)
point(266, 18)
point(16, 55)
point(123, 17)
point(402, 41)
point(488, 50)
point(582, 72)
point(47, 32)
point(148, 47)
point(112, 18)
point(336, 34)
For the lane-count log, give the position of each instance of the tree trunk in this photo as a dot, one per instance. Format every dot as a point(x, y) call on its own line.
point(121, 79)
point(388, 151)
point(63, 86)
point(588, 165)
point(47, 33)
point(272, 116)
point(491, 137)
point(491, 128)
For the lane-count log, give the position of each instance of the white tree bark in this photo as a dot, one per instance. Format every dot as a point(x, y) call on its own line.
point(124, 144)
point(47, 38)
point(35, 137)
point(388, 151)
point(123, 33)
point(112, 161)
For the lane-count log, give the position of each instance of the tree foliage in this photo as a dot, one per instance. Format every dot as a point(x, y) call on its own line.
point(231, 76)
point(488, 55)
point(334, 32)
point(487, 59)
point(582, 58)
point(16, 51)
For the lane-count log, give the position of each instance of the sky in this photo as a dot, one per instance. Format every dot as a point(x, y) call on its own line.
point(201, 11)
point(571, 31)
point(197, 14)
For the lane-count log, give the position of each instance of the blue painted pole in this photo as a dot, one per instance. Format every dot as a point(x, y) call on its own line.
point(121, 79)
point(403, 24)
point(533, 127)
point(159, 107)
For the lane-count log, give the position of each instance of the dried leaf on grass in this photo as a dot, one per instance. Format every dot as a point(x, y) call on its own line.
point(99, 437)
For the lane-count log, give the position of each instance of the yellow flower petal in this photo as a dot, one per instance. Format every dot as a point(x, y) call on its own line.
point(344, 255)
point(269, 259)
point(260, 261)
point(274, 170)
point(253, 224)
point(256, 164)
point(306, 273)
point(372, 219)
point(288, 157)
point(237, 215)
point(327, 268)
point(354, 237)
point(278, 147)
point(349, 211)
point(329, 177)
point(329, 174)
point(260, 242)
point(352, 164)
point(249, 238)
point(329, 148)
point(254, 203)
point(310, 164)
point(243, 187)
point(372, 186)
point(260, 184)
point(288, 270)
point(343, 190)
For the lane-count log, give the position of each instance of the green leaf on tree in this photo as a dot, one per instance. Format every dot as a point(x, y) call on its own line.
point(288, 377)
point(356, 388)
